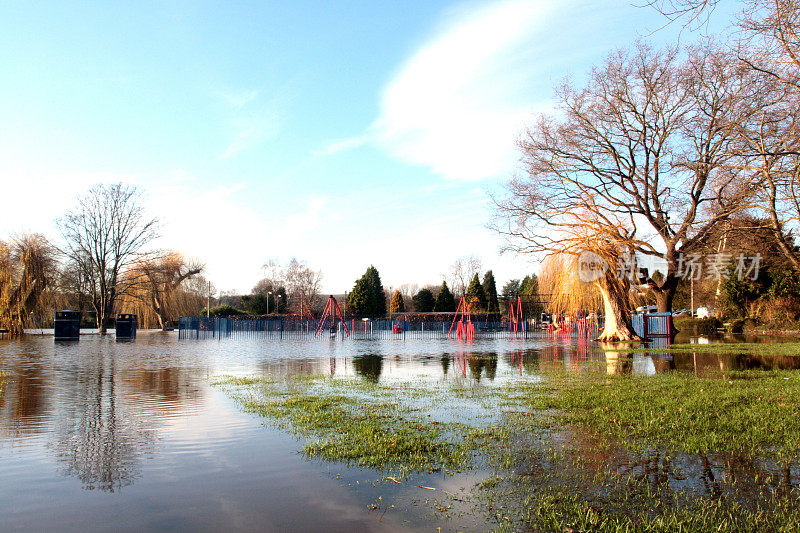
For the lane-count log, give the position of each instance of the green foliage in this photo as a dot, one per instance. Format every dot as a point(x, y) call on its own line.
point(511, 289)
point(397, 305)
point(257, 303)
point(531, 300)
point(475, 295)
point(490, 291)
point(698, 326)
point(445, 302)
point(224, 310)
point(784, 283)
point(423, 301)
point(367, 297)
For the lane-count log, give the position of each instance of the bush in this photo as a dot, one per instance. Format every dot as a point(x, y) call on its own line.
point(737, 326)
point(698, 326)
point(224, 310)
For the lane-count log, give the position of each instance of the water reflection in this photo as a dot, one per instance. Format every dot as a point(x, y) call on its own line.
point(484, 363)
point(589, 464)
point(368, 366)
point(22, 402)
point(102, 408)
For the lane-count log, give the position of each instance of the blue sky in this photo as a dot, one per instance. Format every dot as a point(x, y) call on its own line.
point(343, 133)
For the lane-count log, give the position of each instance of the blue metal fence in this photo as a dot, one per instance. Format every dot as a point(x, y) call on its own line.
point(372, 328)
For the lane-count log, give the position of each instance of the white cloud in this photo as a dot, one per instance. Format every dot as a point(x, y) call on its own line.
point(310, 219)
point(459, 103)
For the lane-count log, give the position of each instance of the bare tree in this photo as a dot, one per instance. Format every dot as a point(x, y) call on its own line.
point(302, 286)
point(462, 271)
point(105, 234)
point(692, 13)
point(640, 159)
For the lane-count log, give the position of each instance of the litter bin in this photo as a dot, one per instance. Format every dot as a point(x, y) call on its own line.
point(67, 325)
point(126, 326)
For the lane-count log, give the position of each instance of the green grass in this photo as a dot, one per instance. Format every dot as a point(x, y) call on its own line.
point(344, 420)
point(753, 412)
point(777, 349)
point(520, 432)
point(566, 511)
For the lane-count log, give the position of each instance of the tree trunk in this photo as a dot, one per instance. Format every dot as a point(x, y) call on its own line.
point(666, 293)
point(616, 303)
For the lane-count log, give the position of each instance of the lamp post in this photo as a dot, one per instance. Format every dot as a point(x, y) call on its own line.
point(269, 293)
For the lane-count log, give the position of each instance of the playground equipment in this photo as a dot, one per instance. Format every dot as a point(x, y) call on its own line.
point(515, 316)
point(332, 310)
point(465, 329)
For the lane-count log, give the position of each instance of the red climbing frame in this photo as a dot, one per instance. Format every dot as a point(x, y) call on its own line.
point(465, 329)
point(332, 310)
point(515, 315)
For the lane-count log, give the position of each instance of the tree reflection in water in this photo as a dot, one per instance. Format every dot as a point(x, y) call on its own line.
point(108, 418)
point(368, 366)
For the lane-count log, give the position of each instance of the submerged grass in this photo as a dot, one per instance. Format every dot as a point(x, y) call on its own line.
point(344, 420)
point(541, 479)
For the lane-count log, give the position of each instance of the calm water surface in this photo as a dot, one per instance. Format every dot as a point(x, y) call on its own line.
point(101, 434)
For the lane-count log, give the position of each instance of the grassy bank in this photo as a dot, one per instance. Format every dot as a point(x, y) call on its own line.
point(560, 451)
point(778, 349)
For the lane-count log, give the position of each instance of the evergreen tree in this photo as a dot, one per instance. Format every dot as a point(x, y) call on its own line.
point(423, 301)
point(357, 300)
point(490, 290)
point(475, 295)
point(445, 303)
point(397, 305)
point(367, 297)
point(529, 291)
point(378, 297)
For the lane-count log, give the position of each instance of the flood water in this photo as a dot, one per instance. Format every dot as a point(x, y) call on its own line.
point(101, 434)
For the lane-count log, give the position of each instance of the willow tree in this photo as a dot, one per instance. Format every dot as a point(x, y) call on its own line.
point(105, 235)
point(154, 288)
point(640, 158)
point(27, 269)
point(580, 275)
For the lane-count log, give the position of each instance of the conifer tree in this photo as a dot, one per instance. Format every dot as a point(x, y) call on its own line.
point(490, 291)
point(475, 295)
point(423, 301)
point(445, 303)
point(367, 297)
point(397, 305)
point(529, 291)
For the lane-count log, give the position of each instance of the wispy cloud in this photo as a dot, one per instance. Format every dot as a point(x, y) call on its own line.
point(238, 99)
point(344, 144)
point(458, 103)
point(251, 131)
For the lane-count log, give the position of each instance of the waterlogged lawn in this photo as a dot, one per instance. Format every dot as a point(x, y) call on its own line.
point(742, 412)
point(777, 349)
point(567, 452)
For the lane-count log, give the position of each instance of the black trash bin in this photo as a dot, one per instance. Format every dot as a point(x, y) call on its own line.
point(67, 325)
point(126, 326)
